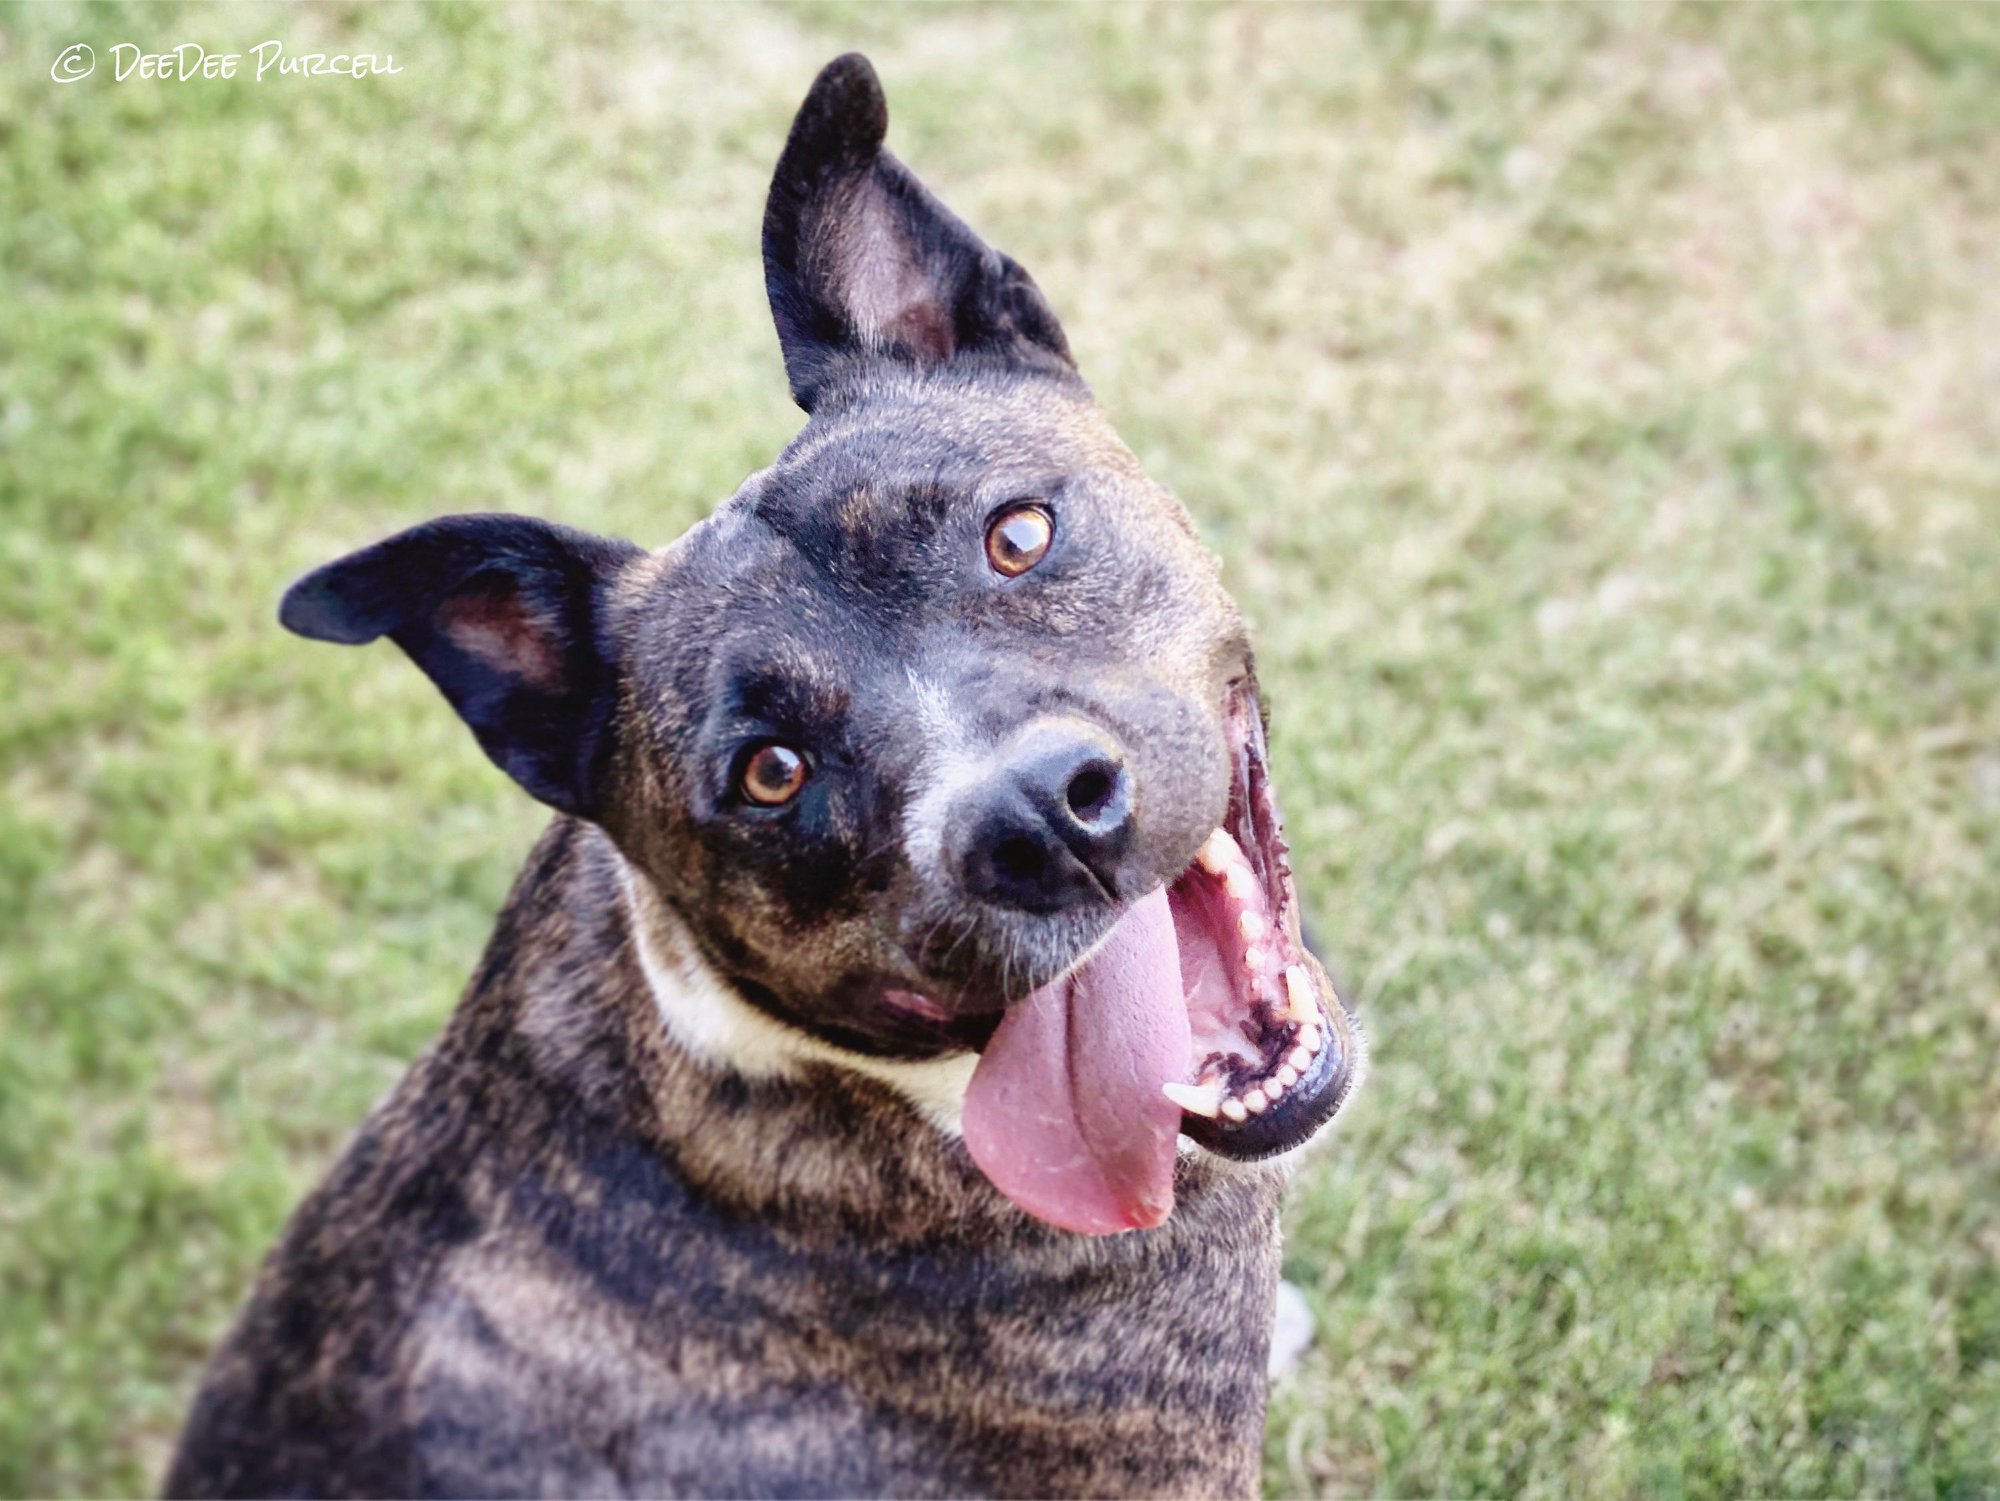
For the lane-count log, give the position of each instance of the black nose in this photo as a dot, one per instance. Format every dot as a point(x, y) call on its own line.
point(1044, 831)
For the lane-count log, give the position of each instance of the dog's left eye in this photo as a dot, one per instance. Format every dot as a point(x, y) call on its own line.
point(1018, 539)
point(772, 775)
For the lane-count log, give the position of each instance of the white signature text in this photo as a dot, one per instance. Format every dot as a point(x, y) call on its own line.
point(190, 61)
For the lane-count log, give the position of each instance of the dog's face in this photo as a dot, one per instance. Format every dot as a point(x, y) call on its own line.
point(851, 696)
point(941, 734)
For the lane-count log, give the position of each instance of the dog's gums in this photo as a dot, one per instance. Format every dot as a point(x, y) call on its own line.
point(1273, 1051)
point(1260, 1001)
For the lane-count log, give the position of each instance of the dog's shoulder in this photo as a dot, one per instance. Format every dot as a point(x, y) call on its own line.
point(318, 1384)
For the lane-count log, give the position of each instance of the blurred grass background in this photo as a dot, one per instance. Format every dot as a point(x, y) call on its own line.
point(1596, 409)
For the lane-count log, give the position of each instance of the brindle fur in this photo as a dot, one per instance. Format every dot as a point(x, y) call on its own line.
point(566, 1258)
point(577, 1252)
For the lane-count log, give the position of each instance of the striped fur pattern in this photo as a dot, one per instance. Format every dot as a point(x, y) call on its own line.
point(567, 1257)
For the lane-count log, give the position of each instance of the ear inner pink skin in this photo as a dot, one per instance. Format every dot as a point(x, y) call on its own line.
point(1064, 1113)
point(493, 623)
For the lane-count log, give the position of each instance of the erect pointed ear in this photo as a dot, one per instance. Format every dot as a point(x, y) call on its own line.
point(507, 616)
point(862, 262)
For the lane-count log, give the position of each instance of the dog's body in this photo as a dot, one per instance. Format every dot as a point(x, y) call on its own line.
point(903, 888)
point(567, 1257)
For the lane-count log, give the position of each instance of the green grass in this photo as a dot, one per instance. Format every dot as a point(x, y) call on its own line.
point(1595, 408)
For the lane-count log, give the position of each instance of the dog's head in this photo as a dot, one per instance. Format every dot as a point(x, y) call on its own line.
point(940, 735)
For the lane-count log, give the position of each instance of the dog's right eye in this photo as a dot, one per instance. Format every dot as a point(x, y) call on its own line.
point(772, 775)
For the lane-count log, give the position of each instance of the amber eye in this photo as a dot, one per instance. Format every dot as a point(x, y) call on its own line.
point(773, 775)
point(1018, 539)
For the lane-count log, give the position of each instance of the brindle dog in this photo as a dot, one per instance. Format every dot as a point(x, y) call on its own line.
point(872, 1080)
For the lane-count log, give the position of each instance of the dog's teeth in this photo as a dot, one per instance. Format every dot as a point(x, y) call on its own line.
point(1255, 1102)
point(1287, 1075)
point(1239, 883)
point(1218, 853)
point(1252, 926)
point(1255, 958)
point(1309, 1038)
point(1195, 1099)
point(1233, 1110)
point(1301, 1005)
point(1274, 1086)
point(1300, 1059)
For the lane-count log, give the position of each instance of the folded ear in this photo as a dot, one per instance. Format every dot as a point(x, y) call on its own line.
point(862, 262)
point(507, 616)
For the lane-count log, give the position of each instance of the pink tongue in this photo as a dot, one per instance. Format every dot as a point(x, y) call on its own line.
point(1065, 1113)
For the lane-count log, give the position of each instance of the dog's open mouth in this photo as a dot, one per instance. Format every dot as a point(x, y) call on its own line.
point(1201, 1013)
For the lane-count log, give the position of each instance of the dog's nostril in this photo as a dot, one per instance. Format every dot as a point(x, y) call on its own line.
point(1090, 791)
point(1018, 859)
point(1047, 830)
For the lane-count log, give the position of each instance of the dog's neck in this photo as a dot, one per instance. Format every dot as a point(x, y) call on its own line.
point(596, 983)
point(709, 1019)
point(623, 1020)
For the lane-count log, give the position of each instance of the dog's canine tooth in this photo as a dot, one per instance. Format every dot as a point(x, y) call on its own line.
point(1301, 1005)
point(1256, 1102)
point(1252, 925)
point(1195, 1099)
point(1287, 1075)
point(1218, 853)
point(1234, 1110)
point(1239, 882)
point(1299, 1058)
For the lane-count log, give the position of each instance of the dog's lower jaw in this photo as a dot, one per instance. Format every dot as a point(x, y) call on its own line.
point(708, 1019)
point(718, 1027)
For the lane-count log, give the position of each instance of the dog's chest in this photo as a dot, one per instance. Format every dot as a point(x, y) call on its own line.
point(684, 1355)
